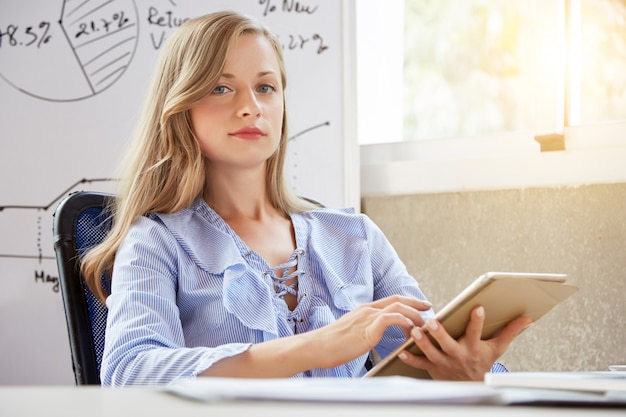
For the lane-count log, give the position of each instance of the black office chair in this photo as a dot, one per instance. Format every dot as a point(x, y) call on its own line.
point(80, 222)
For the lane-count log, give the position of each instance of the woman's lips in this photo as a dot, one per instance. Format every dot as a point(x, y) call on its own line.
point(248, 133)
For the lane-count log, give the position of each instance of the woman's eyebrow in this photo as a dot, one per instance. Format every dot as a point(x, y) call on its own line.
point(259, 74)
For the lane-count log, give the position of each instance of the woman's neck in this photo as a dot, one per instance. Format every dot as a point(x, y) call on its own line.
point(239, 195)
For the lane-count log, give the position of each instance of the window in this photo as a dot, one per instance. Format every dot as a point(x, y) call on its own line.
point(469, 86)
point(598, 61)
point(466, 67)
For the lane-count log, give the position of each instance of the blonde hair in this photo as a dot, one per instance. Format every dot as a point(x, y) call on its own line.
point(164, 170)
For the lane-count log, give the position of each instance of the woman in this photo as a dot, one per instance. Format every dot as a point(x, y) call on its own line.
point(218, 269)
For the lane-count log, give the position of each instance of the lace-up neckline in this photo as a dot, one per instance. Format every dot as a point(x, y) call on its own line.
point(280, 283)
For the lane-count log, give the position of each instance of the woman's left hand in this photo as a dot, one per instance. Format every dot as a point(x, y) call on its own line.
point(467, 358)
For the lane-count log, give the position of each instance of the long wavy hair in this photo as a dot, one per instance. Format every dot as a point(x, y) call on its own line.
point(164, 169)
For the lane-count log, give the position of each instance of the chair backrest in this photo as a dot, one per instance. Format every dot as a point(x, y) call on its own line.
point(81, 221)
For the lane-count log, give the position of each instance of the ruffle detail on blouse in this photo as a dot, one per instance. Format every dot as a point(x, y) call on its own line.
point(245, 292)
point(342, 264)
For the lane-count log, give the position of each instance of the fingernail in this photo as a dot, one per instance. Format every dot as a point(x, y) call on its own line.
point(432, 324)
point(403, 356)
point(428, 303)
point(417, 333)
point(480, 311)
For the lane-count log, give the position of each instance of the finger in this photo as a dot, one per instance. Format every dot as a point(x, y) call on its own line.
point(408, 311)
point(409, 307)
point(416, 361)
point(428, 348)
point(385, 320)
point(474, 329)
point(416, 303)
point(443, 338)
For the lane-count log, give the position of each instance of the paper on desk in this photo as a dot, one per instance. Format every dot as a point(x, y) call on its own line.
point(383, 389)
point(582, 388)
point(531, 396)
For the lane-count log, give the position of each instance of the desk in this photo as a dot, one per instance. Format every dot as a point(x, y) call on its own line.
point(93, 401)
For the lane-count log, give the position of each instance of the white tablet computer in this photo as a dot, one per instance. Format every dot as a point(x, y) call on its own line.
point(504, 295)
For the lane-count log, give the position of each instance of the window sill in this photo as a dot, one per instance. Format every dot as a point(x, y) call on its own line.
point(593, 154)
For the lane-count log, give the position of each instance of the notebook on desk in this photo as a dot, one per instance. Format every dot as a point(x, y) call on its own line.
point(590, 389)
point(599, 381)
point(504, 295)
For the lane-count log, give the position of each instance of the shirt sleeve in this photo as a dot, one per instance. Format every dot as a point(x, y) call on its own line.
point(390, 277)
point(144, 343)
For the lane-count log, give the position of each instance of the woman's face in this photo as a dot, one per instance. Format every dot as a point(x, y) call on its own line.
point(239, 123)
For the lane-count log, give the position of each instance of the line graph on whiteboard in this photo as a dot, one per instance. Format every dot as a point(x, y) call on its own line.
point(74, 50)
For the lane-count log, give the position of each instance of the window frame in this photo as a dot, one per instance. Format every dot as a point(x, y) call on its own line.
point(593, 153)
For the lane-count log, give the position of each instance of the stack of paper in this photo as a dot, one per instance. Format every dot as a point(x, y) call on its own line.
point(560, 387)
point(517, 388)
point(384, 389)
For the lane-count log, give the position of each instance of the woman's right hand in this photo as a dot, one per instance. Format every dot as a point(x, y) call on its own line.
point(352, 335)
point(360, 330)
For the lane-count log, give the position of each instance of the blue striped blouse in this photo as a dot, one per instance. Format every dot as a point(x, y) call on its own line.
point(187, 291)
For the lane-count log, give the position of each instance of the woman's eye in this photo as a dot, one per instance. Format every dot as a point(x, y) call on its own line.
point(220, 89)
point(266, 88)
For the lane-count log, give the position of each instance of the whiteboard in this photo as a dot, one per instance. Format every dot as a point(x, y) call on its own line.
point(73, 76)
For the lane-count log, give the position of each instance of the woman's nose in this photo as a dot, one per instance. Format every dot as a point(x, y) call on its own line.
point(248, 105)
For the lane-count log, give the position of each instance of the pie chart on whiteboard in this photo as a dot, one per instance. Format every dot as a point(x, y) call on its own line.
point(66, 50)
